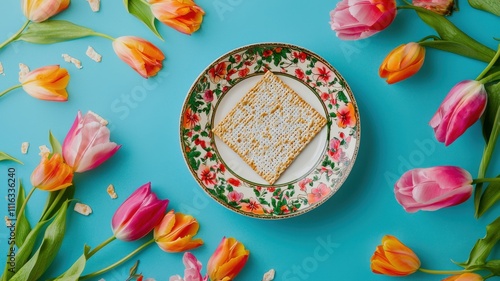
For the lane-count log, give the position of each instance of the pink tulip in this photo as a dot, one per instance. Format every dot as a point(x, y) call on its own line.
point(192, 271)
point(358, 19)
point(41, 10)
point(462, 107)
point(87, 144)
point(430, 189)
point(138, 215)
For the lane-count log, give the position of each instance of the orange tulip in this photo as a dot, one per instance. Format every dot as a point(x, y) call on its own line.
point(393, 258)
point(140, 54)
point(228, 260)
point(175, 233)
point(402, 62)
point(465, 277)
point(47, 83)
point(41, 10)
point(183, 15)
point(52, 173)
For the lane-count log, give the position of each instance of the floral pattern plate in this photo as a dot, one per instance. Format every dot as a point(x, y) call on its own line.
point(320, 169)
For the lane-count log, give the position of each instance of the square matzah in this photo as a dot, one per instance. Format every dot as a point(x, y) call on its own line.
point(269, 127)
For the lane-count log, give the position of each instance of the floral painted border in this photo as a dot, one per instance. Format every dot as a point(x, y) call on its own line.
point(277, 201)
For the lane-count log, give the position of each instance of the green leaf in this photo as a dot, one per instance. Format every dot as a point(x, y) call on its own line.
point(6, 157)
point(490, 196)
point(485, 162)
point(449, 32)
point(492, 6)
point(483, 246)
point(454, 47)
point(54, 31)
point(55, 144)
point(142, 10)
point(47, 251)
point(24, 252)
point(75, 271)
point(488, 117)
point(55, 200)
point(23, 227)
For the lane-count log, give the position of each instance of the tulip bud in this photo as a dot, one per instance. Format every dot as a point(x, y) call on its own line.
point(462, 107)
point(175, 233)
point(141, 55)
point(41, 10)
point(228, 260)
point(183, 15)
point(393, 258)
point(46, 83)
point(87, 143)
point(402, 62)
point(138, 215)
point(433, 188)
point(52, 173)
point(358, 19)
point(468, 276)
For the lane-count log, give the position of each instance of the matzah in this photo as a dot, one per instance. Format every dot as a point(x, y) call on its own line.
point(269, 127)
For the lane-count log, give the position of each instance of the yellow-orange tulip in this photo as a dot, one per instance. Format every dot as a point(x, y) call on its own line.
point(176, 231)
point(183, 15)
point(228, 260)
point(140, 54)
point(52, 173)
point(41, 10)
point(393, 258)
point(468, 276)
point(47, 83)
point(402, 62)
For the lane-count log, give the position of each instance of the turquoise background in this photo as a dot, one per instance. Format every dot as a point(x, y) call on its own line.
point(332, 242)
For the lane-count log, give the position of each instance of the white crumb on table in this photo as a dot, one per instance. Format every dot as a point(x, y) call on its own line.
point(95, 5)
point(74, 61)
point(24, 147)
point(91, 53)
point(269, 276)
point(111, 191)
point(83, 209)
point(23, 70)
point(8, 222)
point(43, 150)
point(1, 69)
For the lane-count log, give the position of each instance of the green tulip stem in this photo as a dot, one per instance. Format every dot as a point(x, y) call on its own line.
point(475, 181)
point(100, 246)
point(490, 78)
point(124, 259)
point(445, 272)
point(16, 35)
point(104, 36)
point(433, 37)
point(53, 205)
point(490, 65)
point(10, 89)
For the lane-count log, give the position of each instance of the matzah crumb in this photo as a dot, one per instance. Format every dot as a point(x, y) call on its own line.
point(8, 222)
point(111, 191)
point(74, 61)
point(95, 5)
point(83, 209)
point(1, 69)
point(23, 70)
point(24, 147)
point(43, 150)
point(91, 53)
point(269, 276)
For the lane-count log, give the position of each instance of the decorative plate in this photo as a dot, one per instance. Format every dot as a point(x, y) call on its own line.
point(320, 169)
